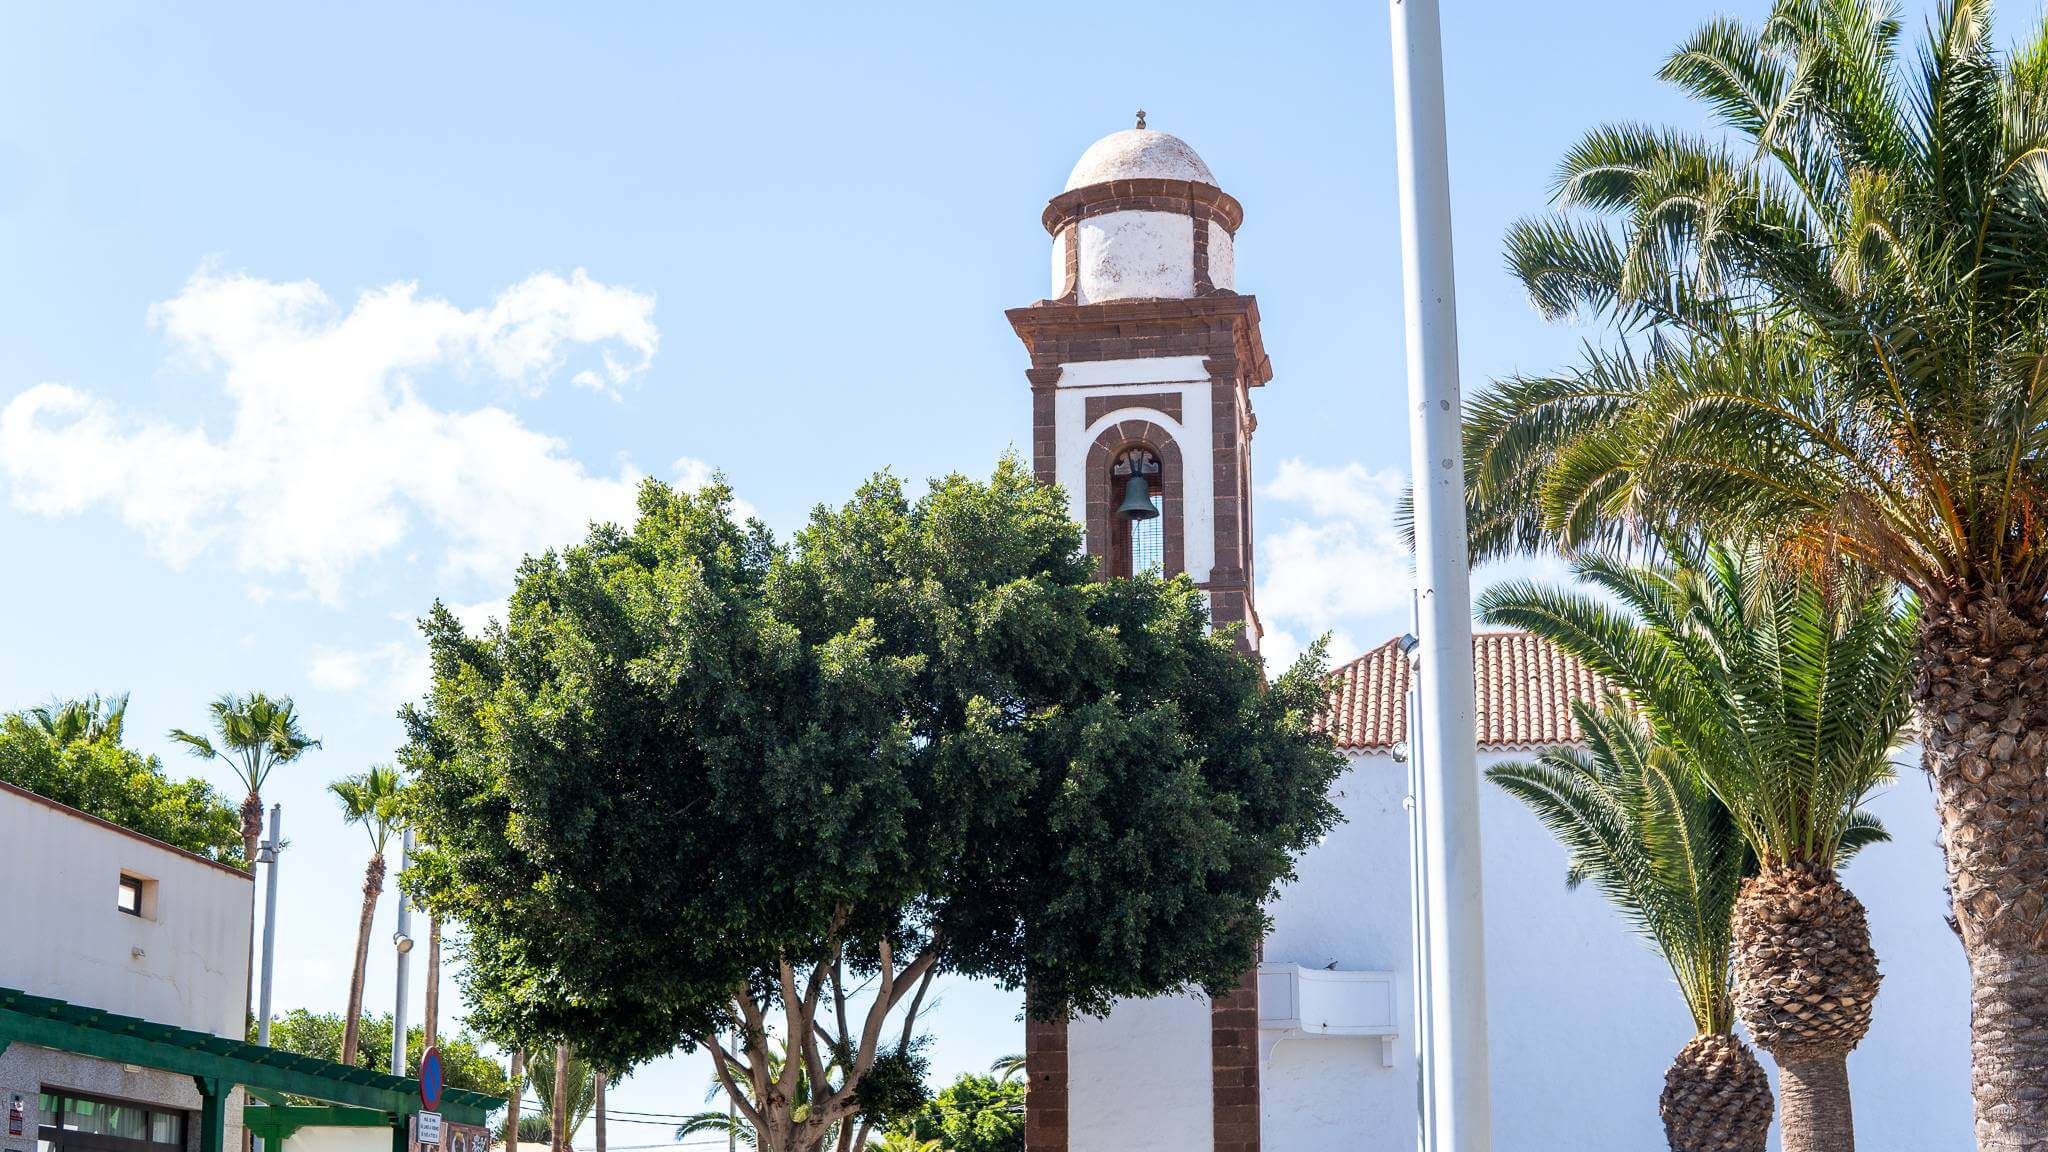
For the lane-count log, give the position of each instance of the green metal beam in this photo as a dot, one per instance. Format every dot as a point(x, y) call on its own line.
point(278, 1122)
point(93, 1032)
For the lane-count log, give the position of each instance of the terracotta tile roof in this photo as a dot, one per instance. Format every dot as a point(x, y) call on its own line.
point(1525, 687)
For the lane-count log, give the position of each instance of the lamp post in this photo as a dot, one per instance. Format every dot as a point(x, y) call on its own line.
point(1456, 970)
point(402, 941)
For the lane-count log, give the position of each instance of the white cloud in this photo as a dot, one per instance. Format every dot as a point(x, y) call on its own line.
point(393, 670)
point(1332, 560)
point(327, 455)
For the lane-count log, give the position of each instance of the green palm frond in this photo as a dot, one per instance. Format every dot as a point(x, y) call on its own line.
point(1847, 283)
point(1785, 690)
point(255, 734)
point(371, 799)
point(1637, 824)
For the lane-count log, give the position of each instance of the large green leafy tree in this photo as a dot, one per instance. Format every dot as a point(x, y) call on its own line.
point(1641, 825)
point(1840, 340)
point(972, 1114)
point(71, 752)
point(464, 1062)
point(1785, 692)
point(700, 782)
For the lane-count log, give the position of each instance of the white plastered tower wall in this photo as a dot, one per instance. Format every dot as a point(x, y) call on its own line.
point(1144, 343)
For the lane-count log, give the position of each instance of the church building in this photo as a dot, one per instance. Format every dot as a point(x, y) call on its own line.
point(1144, 360)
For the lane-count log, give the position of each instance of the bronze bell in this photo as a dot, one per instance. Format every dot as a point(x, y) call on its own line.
point(1137, 503)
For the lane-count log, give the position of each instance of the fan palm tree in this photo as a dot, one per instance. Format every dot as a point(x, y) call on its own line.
point(368, 799)
point(88, 721)
point(1786, 692)
point(1841, 343)
point(904, 1142)
point(256, 734)
point(1664, 851)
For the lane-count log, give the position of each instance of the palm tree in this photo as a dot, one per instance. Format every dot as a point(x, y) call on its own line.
point(1843, 346)
point(369, 799)
point(1638, 823)
point(1786, 692)
point(1007, 1068)
point(734, 1128)
point(575, 1084)
point(256, 735)
point(88, 721)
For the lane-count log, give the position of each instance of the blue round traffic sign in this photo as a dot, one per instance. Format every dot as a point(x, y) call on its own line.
point(430, 1078)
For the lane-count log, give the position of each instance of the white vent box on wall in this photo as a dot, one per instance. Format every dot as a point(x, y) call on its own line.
point(1301, 1003)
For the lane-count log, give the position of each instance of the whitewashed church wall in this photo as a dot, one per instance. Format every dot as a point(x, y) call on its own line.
point(1138, 1080)
point(1583, 1017)
point(1137, 256)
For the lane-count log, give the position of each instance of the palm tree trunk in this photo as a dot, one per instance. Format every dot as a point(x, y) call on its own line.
point(1814, 1093)
point(512, 1095)
point(1716, 1098)
point(252, 829)
point(432, 1023)
point(597, 1113)
point(559, 1110)
point(373, 886)
point(1982, 693)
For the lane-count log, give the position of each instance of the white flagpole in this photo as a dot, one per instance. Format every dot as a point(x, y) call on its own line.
point(1450, 777)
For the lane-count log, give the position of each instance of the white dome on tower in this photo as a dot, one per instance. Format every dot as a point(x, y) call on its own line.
point(1138, 154)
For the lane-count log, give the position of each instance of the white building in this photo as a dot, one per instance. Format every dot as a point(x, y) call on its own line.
point(1143, 357)
point(124, 984)
point(109, 919)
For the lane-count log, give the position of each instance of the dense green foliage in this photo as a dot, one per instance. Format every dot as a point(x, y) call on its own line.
point(699, 779)
point(973, 1114)
point(72, 753)
point(1638, 823)
point(464, 1063)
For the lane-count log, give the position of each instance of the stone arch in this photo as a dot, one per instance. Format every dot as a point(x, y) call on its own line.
point(1137, 432)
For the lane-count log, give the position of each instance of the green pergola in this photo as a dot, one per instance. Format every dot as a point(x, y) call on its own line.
point(355, 1097)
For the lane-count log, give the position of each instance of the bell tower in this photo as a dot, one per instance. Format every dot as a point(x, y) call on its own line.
point(1143, 359)
point(1142, 364)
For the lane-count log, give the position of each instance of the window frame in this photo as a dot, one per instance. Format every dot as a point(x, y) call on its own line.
point(130, 884)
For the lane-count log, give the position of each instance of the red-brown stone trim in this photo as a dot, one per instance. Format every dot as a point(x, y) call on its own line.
point(1096, 407)
point(1045, 1071)
point(1070, 248)
point(1234, 1066)
point(1101, 504)
point(1182, 197)
point(1205, 285)
point(1044, 424)
point(1223, 325)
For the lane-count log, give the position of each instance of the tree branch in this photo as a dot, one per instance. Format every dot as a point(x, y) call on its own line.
point(721, 1060)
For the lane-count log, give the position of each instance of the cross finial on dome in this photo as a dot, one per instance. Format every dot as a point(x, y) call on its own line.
point(1141, 118)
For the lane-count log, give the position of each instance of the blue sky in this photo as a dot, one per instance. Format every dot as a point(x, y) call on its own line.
point(309, 317)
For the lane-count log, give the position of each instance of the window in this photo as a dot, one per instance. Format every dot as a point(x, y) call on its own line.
point(1138, 541)
point(129, 898)
point(72, 1123)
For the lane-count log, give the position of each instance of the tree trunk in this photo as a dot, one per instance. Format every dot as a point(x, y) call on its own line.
point(559, 1110)
point(1814, 1093)
point(1805, 980)
point(373, 886)
point(1982, 695)
point(597, 1114)
point(512, 1095)
point(432, 1024)
point(252, 829)
point(1716, 1098)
